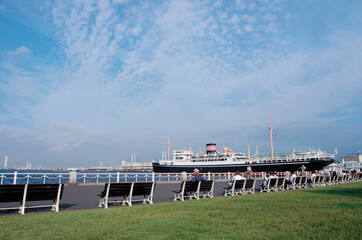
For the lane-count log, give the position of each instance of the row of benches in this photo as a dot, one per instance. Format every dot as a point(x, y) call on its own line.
point(53, 192)
point(279, 184)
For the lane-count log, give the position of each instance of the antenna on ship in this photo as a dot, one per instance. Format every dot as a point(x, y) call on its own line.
point(249, 151)
point(168, 148)
point(256, 152)
point(6, 162)
point(271, 139)
point(190, 149)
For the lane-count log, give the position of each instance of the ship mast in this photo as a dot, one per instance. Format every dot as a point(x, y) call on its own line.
point(249, 151)
point(190, 149)
point(271, 138)
point(168, 148)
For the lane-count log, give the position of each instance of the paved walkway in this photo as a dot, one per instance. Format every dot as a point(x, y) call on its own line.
point(86, 196)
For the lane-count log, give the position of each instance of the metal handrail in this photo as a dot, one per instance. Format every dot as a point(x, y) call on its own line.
point(86, 177)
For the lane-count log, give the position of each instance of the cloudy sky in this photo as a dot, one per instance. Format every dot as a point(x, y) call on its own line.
point(89, 81)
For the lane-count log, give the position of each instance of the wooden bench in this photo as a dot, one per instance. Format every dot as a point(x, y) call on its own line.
point(127, 191)
point(249, 186)
point(192, 190)
point(298, 182)
point(237, 186)
point(331, 180)
point(321, 181)
point(358, 176)
point(207, 188)
point(304, 182)
point(340, 179)
point(345, 178)
point(270, 186)
point(280, 184)
point(291, 185)
point(31, 192)
point(314, 182)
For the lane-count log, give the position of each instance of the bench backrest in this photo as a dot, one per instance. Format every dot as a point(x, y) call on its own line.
point(142, 188)
point(11, 193)
point(117, 189)
point(273, 182)
point(39, 192)
point(333, 179)
point(206, 185)
point(239, 183)
point(298, 180)
point(35, 192)
point(191, 186)
point(280, 181)
point(250, 183)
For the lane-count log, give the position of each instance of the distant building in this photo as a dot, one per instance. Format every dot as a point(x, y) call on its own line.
point(357, 157)
point(132, 166)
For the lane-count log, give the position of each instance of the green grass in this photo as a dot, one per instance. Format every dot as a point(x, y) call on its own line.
point(323, 213)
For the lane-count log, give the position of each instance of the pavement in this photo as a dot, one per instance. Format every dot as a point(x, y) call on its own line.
point(85, 196)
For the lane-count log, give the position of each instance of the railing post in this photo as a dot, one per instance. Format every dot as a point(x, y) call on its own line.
point(229, 175)
point(209, 176)
point(84, 176)
point(15, 176)
point(60, 178)
point(27, 178)
point(125, 177)
point(72, 177)
point(45, 175)
point(117, 176)
point(97, 177)
point(136, 177)
point(153, 176)
point(109, 178)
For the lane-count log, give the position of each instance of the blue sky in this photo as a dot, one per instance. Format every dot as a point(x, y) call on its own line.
point(89, 81)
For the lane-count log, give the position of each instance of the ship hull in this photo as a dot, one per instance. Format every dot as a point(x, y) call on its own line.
point(256, 167)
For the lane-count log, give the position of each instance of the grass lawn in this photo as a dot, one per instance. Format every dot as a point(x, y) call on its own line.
point(333, 212)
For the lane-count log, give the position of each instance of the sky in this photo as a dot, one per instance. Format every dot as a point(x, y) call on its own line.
point(89, 81)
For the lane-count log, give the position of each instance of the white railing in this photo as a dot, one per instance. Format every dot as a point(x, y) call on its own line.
point(33, 178)
point(86, 177)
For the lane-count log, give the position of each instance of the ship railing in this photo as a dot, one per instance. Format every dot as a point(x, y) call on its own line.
point(90, 177)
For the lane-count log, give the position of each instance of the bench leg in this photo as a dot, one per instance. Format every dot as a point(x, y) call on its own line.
point(22, 209)
point(55, 206)
point(103, 202)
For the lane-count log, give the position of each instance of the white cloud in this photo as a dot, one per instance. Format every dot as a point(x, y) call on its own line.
point(270, 17)
point(249, 28)
point(21, 53)
point(248, 18)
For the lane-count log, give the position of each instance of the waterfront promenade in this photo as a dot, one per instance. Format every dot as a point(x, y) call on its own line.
point(85, 196)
